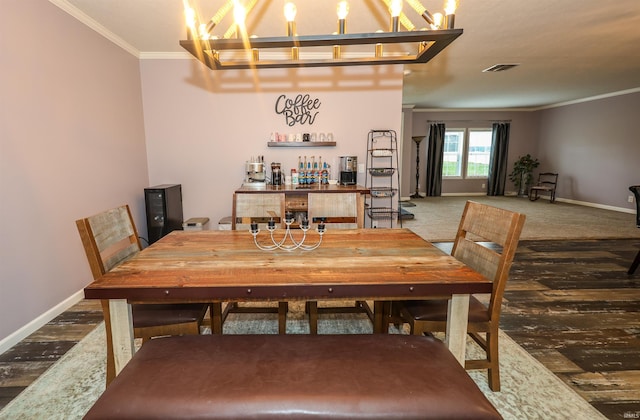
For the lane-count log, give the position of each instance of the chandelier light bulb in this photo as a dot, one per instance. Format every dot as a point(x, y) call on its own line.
point(421, 10)
point(343, 10)
point(290, 11)
point(395, 8)
point(202, 30)
point(417, 6)
point(239, 14)
point(450, 10)
point(450, 7)
point(190, 17)
point(437, 20)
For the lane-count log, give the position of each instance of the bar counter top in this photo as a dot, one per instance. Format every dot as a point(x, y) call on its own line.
point(262, 188)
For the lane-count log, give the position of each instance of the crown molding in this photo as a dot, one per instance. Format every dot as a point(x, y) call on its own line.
point(93, 24)
point(590, 99)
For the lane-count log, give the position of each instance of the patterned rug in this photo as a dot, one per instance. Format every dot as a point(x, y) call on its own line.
point(69, 388)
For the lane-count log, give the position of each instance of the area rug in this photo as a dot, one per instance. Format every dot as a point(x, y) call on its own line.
point(436, 219)
point(71, 386)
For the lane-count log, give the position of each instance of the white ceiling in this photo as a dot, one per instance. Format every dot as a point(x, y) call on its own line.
point(568, 50)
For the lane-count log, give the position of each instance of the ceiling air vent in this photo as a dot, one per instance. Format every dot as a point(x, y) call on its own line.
point(500, 67)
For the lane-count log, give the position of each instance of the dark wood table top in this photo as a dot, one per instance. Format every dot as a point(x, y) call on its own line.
point(380, 264)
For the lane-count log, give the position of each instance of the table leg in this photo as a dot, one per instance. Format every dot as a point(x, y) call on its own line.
point(121, 332)
point(457, 320)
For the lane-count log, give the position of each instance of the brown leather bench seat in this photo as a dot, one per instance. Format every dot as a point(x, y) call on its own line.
point(293, 376)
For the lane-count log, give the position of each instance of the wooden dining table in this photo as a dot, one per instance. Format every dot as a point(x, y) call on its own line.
point(226, 266)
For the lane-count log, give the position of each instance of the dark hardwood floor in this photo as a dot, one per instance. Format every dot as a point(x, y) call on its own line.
point(26, 361)
point(573, 307)
point(570, 304)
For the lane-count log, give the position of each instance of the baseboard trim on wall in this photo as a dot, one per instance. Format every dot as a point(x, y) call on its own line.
point(564, 200)
point(33, 326)
point(476, 194)
point(599, 206)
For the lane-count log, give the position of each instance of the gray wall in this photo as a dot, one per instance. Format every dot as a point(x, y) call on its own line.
point(595, 147)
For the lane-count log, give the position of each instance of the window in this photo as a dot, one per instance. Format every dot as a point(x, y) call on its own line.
point(452, 162)
point(466, 153)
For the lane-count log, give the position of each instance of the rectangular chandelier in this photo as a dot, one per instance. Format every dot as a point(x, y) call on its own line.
point(291, 51)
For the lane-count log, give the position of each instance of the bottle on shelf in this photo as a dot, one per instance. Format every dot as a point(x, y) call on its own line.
point(309, 172)
point(324, 174)
point(316, 171)
point(302, 178)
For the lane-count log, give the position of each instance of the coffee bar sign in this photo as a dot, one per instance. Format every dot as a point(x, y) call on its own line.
point(303, 109)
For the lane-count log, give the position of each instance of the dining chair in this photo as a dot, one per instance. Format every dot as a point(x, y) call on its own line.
point(258, 208)
point(486, 241)
point(342, 214)
point(110, 238)
point(635, 189)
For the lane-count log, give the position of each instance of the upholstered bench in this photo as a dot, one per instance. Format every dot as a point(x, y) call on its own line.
point(293, 376)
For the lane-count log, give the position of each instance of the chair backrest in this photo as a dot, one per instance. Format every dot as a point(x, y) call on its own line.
point(339, 210)
point(548, 179)
point(108, 238)
point(258, 208)
point(486, 241)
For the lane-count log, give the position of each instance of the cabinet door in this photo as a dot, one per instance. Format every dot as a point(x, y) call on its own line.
point(258, 208)
point(341, 210)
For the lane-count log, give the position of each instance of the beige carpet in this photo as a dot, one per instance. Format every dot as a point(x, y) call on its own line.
point(436, 219)
point(529, 391)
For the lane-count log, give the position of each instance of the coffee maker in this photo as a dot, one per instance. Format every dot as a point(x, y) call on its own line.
point(348, 170)
point(276, 174)
point(255, 171)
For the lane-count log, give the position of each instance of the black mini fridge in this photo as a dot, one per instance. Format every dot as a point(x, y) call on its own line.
point(164, 210)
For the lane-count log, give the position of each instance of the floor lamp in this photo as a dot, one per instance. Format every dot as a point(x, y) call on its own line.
point(417, 140)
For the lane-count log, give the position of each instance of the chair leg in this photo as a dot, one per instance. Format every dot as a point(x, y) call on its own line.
point(391, 314)
point(312, 307)
point(386, 314)
point(215, 312)
point(634, 264)
point(111, 364)
point(493, 373)
point(283, 307)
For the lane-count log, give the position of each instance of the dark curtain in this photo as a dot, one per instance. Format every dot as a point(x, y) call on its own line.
point(435, 153)
point(498, 160)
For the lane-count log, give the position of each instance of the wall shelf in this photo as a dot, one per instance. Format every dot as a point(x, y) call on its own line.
point(301, 143)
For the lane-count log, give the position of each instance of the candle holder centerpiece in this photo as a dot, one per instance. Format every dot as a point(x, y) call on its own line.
point(282, 243)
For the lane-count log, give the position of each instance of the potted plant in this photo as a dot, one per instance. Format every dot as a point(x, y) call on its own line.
point(522, 173)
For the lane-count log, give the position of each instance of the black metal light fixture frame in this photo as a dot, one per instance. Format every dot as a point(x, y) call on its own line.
point(429, 44)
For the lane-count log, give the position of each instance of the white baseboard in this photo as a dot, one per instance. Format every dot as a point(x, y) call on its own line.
point(476, 194)
point(563, 200)
point(599, 206)
point(33, 326)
